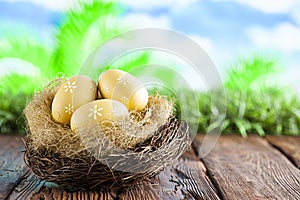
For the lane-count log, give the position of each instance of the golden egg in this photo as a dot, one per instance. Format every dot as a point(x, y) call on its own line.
point(96, 112)
point(122, 86)
point(75, 92)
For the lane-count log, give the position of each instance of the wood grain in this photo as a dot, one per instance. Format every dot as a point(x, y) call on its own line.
point(27, 186)
point(12, 166)
point(146, 190)
point(289, 145)
point(251, 169)
point(238, 168)
point(193, 179)
point(34, 189)
point(186, 179)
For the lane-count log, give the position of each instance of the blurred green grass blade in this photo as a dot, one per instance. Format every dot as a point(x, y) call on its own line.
point(15, 84)
point(242, 126)
point(226, 124)
point(131, 61)
point(247, 71)
point(15, 91)
point(26, 48)
point(71, 50)
point(258, 129)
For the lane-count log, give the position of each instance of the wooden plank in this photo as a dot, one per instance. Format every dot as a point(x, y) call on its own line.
point(28, 185)
point(12, 166)
point(251, 169)
point(19, 183)
point(192, 177)
point(34, 189)
point(186, 179)
point(289, 145)
point(146, 190)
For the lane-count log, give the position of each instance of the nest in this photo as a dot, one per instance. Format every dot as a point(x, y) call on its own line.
point(97, 157)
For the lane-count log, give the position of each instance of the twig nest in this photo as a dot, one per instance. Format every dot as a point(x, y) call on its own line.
point(113, 153)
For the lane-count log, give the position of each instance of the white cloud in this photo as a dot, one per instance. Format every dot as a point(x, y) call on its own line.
point(267, 6)
point(52, 4)
point(296, 15)
point(141, 20)
point(272, 6)
point(290, 77)
point(204, 42)
point(285, 37)
point(135, 4)
point(153, 4)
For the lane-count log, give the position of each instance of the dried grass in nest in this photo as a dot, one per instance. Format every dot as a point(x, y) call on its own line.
point(128, 132)
point(95, 158)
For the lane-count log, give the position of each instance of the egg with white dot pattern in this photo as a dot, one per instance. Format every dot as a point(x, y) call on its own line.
point(96, 112)
point(122, 86)
point(72, 94)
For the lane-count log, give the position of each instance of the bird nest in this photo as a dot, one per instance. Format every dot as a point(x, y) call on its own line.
point(107, 155)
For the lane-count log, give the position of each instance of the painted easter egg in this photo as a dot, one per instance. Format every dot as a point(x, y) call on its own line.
point(75, 92)
point(96, 112)
point(122, 86)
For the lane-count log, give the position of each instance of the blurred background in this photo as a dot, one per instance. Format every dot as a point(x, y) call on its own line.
point(254, 44)
point(224, 28)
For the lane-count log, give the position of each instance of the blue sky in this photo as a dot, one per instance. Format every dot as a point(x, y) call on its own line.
point(224, 28)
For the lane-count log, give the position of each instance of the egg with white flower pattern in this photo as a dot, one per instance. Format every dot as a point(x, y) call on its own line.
point(75, 92)
point(122, 86)
point(96, 112)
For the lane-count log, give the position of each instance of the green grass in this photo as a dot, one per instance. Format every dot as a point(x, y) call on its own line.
point(251, 73)
point(254, 103)
point(27, 48)
point(15, 91)
point(90, 23)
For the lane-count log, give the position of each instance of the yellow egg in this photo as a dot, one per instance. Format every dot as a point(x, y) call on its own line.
point(96, 112)
point(122, 86)
point(75, 92)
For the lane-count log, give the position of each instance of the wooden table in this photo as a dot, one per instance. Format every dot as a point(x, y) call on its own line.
point(237, 168)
